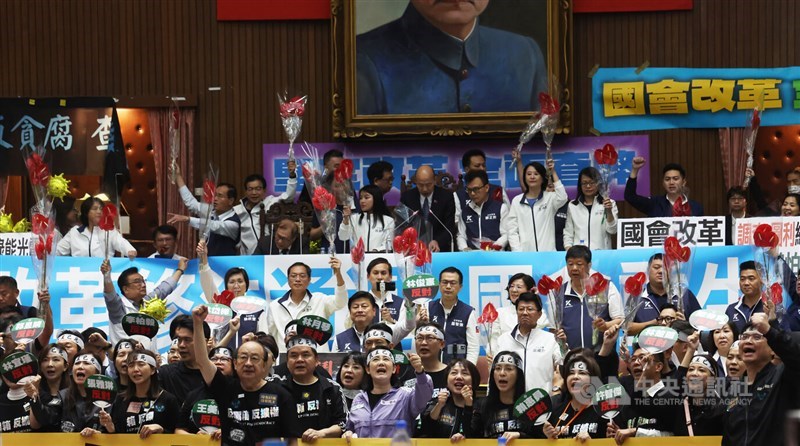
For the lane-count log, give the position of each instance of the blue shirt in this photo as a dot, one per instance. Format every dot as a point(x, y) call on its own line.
point(410, 66)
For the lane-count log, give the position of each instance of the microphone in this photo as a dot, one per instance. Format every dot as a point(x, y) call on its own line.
point(452, 245)
point(413, 214)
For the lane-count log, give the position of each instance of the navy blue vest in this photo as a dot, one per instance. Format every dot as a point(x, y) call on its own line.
point(577, 324)
point(652, 306)
point(220, 245)
point(395, 306)
point(455, 328)
point(495, 194)
point(248, 323)
point(347, 341)
point(486, 225)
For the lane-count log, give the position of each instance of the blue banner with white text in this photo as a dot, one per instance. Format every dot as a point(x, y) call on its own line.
point(77, 298)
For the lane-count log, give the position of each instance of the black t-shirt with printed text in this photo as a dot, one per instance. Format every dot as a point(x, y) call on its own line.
point(130, 415)
point(249, 417)
point(14, 414)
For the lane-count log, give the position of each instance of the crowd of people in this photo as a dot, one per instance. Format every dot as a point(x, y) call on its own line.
point(737, 381)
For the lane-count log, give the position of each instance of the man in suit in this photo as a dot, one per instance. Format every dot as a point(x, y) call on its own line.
point(436, 206)
point(284, 241)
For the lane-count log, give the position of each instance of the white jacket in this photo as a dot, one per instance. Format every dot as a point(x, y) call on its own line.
point(377, 237)
point(250, 220)
point(506, 321)
point(274, 320)
point(587, 228)
point(540, 354)
point(534, 229)
point(80, 242)
point(220, 225)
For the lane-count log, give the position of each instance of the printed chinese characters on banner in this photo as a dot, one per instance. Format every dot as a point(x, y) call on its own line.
point(651, 232)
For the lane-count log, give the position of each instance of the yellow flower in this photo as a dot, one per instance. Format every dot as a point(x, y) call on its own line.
point(6, 224)
point(58, 186)
point(157, 308)
point(22, 226)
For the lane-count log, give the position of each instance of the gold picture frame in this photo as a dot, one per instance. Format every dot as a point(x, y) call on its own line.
point(348, 124)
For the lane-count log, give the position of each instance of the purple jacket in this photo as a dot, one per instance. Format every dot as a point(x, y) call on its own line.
point(399, 404)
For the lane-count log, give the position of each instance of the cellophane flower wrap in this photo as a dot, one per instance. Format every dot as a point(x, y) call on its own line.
point(553, 291)
point(677, 270)
point(46, 188)
point(43, 243)
point(596, 288)
point(322, 199)
point(606, 160)
point(209, 193)
point(770, 269)
point(750, 133)
point(291, 111)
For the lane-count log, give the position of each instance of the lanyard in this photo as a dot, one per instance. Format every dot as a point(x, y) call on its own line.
point(569, 423)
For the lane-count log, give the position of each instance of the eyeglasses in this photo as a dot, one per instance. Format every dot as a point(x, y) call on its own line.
point(475, 190)
point(667, 319)
point(254, 359)
point(755, 337)
point(527, 310)
point(137, 282)
point(426, 339)
point(588, 183)
point(221, 359)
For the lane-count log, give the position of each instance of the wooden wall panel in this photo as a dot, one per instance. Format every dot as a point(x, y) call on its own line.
point(717, 33)
point(156, 48)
